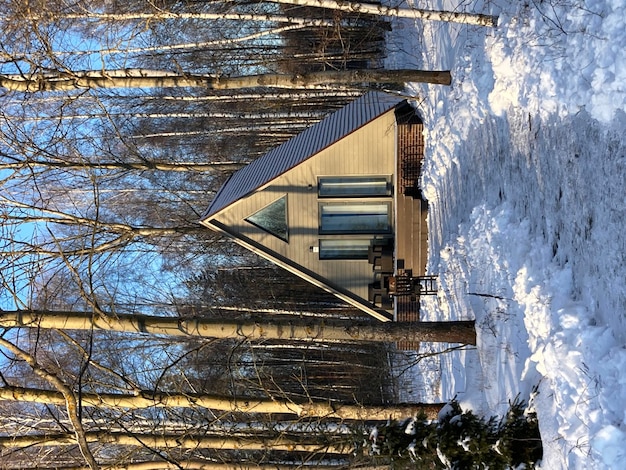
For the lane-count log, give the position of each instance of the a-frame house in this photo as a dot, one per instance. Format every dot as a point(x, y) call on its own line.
point(338, 205)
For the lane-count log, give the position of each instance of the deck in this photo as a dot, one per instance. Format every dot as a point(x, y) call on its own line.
point(412, 227)
point(411, 249)
point(409, 253)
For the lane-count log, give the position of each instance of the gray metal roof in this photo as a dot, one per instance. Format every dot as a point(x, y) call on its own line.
point(301, 147)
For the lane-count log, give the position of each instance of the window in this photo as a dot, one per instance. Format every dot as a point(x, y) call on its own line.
point(354, 186)
point(344, 248)
point(358, 217)
point(272, 218)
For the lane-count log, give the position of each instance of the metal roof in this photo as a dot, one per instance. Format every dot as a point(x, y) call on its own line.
point(301, 147)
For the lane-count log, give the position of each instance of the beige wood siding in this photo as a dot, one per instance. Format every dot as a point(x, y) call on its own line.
point(368, 151)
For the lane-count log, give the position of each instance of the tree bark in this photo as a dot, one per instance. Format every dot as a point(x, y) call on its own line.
point(308, 409)
point(370, 9)
point(139, 78)
point(139, 166)
point(162, 15)
point(188, 441)
point(205, 465)
point(330, 331)
point(397, 12)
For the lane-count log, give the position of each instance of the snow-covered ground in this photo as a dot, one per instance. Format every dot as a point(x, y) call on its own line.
point(526, 176)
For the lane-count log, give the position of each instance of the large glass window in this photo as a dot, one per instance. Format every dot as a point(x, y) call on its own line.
point(272, 218)
point(352, 248)
point(358, 217)
point(354, 186)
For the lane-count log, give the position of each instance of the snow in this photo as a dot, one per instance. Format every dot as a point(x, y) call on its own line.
point(525, 173)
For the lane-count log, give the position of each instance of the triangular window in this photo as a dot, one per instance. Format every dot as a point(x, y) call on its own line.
point(272, 218)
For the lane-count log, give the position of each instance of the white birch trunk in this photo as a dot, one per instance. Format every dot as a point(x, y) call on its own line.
point(287, 117)
point(337, 331)
point(197, 45)
point(141, 78)
point(167, 15)
point(397, 12)
point(147, 399)
point(178, 441)
point(34, 214)
point(370, 9)
point(257, 129)
point(141, 166)
point(302, 96)
point(204, 465)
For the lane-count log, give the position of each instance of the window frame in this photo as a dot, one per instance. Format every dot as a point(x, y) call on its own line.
point(348, 231)
point(336, 253)
point(284, 238)
point(326, 183)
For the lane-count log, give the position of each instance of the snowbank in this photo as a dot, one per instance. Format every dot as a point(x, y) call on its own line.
point(525, 172)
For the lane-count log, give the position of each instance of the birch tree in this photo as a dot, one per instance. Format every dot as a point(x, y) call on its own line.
point(154, 441)
point(337, 331)
point(139, 78)
point(69, 400)
point(298, 437)
point(104, 167)
point(303, 409)
point(199, 464)
point(397, 12)
point(97, 431)
point(350, 7)
point(209, 167)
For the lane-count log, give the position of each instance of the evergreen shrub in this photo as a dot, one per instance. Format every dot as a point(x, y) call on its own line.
point(460, 440)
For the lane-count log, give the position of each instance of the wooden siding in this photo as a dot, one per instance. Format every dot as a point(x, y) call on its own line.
point(368, 151)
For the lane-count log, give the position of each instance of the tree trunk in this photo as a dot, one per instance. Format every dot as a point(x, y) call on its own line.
point(205, 465)
point(163, 15)
point(397, 12)
point(271, 116)
point(140, 78)
point(309, 409)
point(330, 331)
point(139, 166)
point(308, 444)
point(354, 7)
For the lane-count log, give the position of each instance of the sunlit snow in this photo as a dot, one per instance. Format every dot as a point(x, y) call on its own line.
point(526, 177)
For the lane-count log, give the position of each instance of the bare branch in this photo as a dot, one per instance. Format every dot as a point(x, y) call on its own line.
point(308, 409)
point(71, 403)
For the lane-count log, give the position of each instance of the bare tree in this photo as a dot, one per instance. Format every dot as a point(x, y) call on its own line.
point(351, 7)
point(209, 167)
point(303, 409)
point(198, 464)
point(102, 180)
point(69, 399)
point(309, 444)
point(139, 78)
point(447, 332)
point(397, 12)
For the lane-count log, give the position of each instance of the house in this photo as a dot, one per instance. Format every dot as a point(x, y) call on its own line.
point(338, 205)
